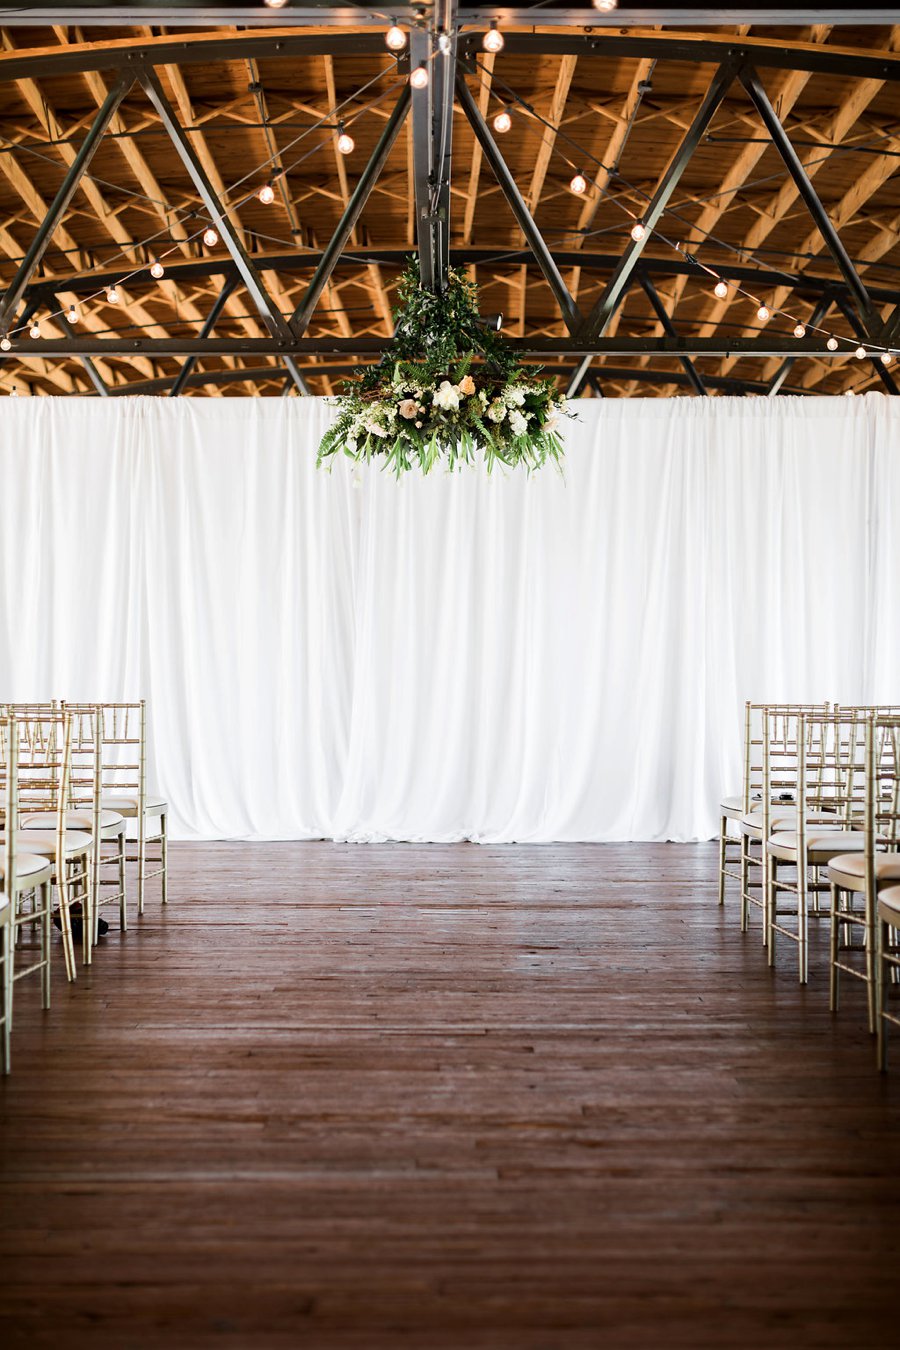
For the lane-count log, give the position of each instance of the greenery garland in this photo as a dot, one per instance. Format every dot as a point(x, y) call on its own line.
point(425, 402)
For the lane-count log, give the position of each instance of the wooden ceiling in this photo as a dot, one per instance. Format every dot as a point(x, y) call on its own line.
point(617, 117)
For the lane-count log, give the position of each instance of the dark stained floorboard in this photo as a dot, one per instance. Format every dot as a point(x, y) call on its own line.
point(446, 1097)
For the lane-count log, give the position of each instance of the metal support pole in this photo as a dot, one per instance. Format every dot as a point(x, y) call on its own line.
point(360, 195)
point(669, 329)
point(760, 99)
point(533, 237)
point(209, 324)
point(60, 203)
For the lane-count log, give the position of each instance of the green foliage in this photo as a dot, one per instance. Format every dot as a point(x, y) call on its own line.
point(426, 402)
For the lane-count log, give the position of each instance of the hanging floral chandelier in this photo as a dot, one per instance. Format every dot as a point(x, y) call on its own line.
point(428, 401)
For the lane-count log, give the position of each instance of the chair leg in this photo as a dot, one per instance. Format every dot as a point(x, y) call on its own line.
point(142, 830)
point(880, 993)
point(46, 903)
point(745, 876)
point(83, 887)
point(65, 923)
point(6, 955)
point(723, 826)
point(123, 899)
point(164, 856)
point(802, 923)
point(771, 877)
point(871, 943)
point(834, 987)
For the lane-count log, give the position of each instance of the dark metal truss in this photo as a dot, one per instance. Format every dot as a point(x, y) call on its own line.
point(432, 116)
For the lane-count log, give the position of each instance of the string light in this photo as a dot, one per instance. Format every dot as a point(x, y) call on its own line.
point(861, 353)
point(14, 393)
point(5, 343)
point(419, 77)
point(395, 38)
point(345, 143)
point(799, 331)
point(638, 230)
point(886, 358)
point(72, 314)
point(157, 270)
point(605, 6)
point(763, 313)
point(266, 194)
point(578, 185)
point(832, 344)
point(502, 122)
point(35, 330)
point(276, 4)
point(720, 290)
point(444, 44)
point(210, 237)
point(493, 40)
point(112, 296)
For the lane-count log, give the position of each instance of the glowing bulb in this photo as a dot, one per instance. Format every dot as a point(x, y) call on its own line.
point(112, 296)
point(605, 6)
point(493, 40)
point(345, 143)
point(861, 353)
point(276, 4)
point(832, 344)
point(578, 185)
point(444, 44)
point(638, 231)
point(72, 314)
point(720, 290)
point(266, 194)
point(502, 122)
point(419, 78)
point(799, 331)
point(14, 393)
point(763, 313)
point(5, 343)
point(395, 38)
point(157, 270)
point(210, 238)
point(35, 329)
point(886, 358)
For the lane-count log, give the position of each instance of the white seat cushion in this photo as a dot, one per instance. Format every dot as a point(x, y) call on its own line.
point(820, 844)
point(44, 842)
point(849, 871)
point(889, 906)
point(127, 804)
point(75, 820)
point(27, 865)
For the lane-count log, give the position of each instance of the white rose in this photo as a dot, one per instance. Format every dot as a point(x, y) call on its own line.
point(496, 412)
point(445, 396)
point(518, 421)
point(516, 397)
point(408, 408)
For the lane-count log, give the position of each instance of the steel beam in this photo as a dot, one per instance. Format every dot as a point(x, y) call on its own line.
point(268, 310)
point(432, 123)
point(209, 324)
point(762, 346)
point(360, 195)
point(813, 202)
point(60, 203)
point(784, 369)
point(855, 323)
point(662, 314)
point(508, 186)
point(94, 375)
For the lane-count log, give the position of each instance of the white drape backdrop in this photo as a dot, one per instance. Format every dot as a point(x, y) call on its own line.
point(341, 655)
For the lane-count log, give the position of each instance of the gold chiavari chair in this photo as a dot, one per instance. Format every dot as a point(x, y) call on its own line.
point(45, 756)
point(124, 750)
point(828, 811)
point(771, 805)
point(858, 878)
point(26, 888)
point(888, 967)
point(733, 809)
point(6, 983)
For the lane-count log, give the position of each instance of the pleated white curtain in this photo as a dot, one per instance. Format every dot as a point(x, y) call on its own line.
point(496, 658)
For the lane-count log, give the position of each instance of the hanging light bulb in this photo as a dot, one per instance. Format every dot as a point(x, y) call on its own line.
point(419, 77)
point(210, 237)
point(14, 393)
point(266, 194)
point(112, 296)
point(345, 143)
point(763, 313)
point(502, 122)
point(35, 329)
point(638, 230)
point(861, 353)
point(720, 290)
point(395, 38)
point(886, 358)
point(72, 314)
point(832, 344)
point(605, 6)
point(276, 4)
point(157, 270)
point(578, 185)
point(5, 343)
point(493, 40)
point(799, 331)
point(445, 46)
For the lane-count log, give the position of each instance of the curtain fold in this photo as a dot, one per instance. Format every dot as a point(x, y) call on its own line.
point(495, 658)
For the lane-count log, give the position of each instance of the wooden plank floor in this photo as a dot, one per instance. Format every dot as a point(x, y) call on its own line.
point(446, 1097)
